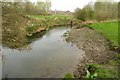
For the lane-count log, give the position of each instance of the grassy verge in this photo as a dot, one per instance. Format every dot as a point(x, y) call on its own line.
point(110, 69)
point(109, 30)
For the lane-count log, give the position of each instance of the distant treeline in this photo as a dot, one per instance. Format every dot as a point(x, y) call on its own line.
point(98, 11)
point(27, 7)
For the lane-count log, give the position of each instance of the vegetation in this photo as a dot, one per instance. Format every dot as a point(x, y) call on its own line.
point(47, 22)
point(27, 21)
point(93, 71)
point(108, 70)
point(108, 29)
point(98, 11)
point(27, 7)
point(69, 75)
point(50, 16)
point(87, 13)
point(106, 13)
point(13, 28)
point(21, 20)
point(16, 24)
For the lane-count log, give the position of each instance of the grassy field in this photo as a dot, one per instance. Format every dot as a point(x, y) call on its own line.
point(108, 29)
point(50, 16)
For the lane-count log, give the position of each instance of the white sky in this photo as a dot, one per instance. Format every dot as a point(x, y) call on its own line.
point(70, 5)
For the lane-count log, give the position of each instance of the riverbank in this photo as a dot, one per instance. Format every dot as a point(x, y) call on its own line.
point(17, 29)
point(49, 56)
point(13, 28)
point(44, 23)
point(110, 31)
point(97, 52)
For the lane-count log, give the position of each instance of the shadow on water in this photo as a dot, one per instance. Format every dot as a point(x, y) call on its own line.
point(36, 36)
point(25, 42)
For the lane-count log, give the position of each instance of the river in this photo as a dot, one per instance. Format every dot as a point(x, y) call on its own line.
point(49, 56)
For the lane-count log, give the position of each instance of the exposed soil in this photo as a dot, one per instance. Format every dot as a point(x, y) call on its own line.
point(95, 46)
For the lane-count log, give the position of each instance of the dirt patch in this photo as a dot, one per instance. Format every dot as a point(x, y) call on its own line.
point(95, 46)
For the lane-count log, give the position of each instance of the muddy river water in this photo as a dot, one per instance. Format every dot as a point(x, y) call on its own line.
point(47, 57)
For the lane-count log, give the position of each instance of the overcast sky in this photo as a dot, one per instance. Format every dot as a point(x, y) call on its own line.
point(70, 5)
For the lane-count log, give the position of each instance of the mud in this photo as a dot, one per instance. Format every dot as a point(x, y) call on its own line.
point(95, 46)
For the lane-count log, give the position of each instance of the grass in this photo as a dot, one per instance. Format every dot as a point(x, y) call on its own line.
point(108, 70)
point(13, 29)
point(107, 73)
point(52, 19)
point(47, 22)
point(108, 29)
point(69, 75)
point(49, 16)
point(32, 27)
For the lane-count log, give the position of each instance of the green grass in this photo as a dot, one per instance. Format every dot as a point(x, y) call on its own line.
point(109, 29)
point(107, 73)
point(50, 16)
point(108, 70)
point(47, 22)
point(69, 75)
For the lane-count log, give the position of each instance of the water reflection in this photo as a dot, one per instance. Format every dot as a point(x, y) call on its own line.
point(49, 56)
